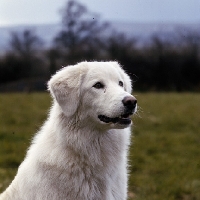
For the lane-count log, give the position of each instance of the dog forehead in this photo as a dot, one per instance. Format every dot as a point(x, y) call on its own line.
point(103, 70)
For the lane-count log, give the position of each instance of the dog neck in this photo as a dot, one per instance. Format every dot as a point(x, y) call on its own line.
point(80, 142)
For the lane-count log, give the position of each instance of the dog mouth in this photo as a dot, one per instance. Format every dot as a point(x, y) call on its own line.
point(123, 119)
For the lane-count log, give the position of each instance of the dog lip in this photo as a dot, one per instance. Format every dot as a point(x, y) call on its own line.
point(127, 115)
point(123, 119)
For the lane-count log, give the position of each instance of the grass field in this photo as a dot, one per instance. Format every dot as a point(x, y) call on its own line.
point(165, 150)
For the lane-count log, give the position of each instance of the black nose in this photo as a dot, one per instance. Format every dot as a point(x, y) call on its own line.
point(129, 102)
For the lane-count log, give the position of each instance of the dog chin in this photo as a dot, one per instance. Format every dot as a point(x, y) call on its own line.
point(120, 126)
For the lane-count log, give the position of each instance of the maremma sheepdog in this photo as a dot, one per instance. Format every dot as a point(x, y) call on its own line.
point(81, 150)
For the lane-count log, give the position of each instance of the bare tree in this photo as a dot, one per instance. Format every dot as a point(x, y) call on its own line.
point(81, 34)
point(25, 46)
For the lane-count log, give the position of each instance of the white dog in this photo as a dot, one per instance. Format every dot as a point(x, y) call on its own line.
point(81, 150)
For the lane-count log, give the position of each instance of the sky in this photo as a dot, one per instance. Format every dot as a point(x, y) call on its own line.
point(18, 12)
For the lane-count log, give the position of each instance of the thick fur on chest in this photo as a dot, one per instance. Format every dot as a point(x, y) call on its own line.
point(97, 170)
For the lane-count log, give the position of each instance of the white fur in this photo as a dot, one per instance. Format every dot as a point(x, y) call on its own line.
point(75, 155)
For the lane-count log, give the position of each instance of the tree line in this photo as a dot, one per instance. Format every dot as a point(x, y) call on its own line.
point(162, 64)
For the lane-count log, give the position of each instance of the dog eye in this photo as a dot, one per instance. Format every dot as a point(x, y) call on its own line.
point(121, 83)
point(98, 85)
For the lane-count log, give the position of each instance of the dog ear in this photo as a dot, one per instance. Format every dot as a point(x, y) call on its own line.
point(65, 87)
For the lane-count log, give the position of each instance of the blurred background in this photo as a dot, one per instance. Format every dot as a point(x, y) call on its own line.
point(156, 41)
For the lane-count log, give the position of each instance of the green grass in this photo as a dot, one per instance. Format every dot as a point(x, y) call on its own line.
point(165, 155)
point(165, 151)
point(21, 115)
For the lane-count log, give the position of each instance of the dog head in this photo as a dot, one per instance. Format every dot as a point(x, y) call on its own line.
point(99, 92)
